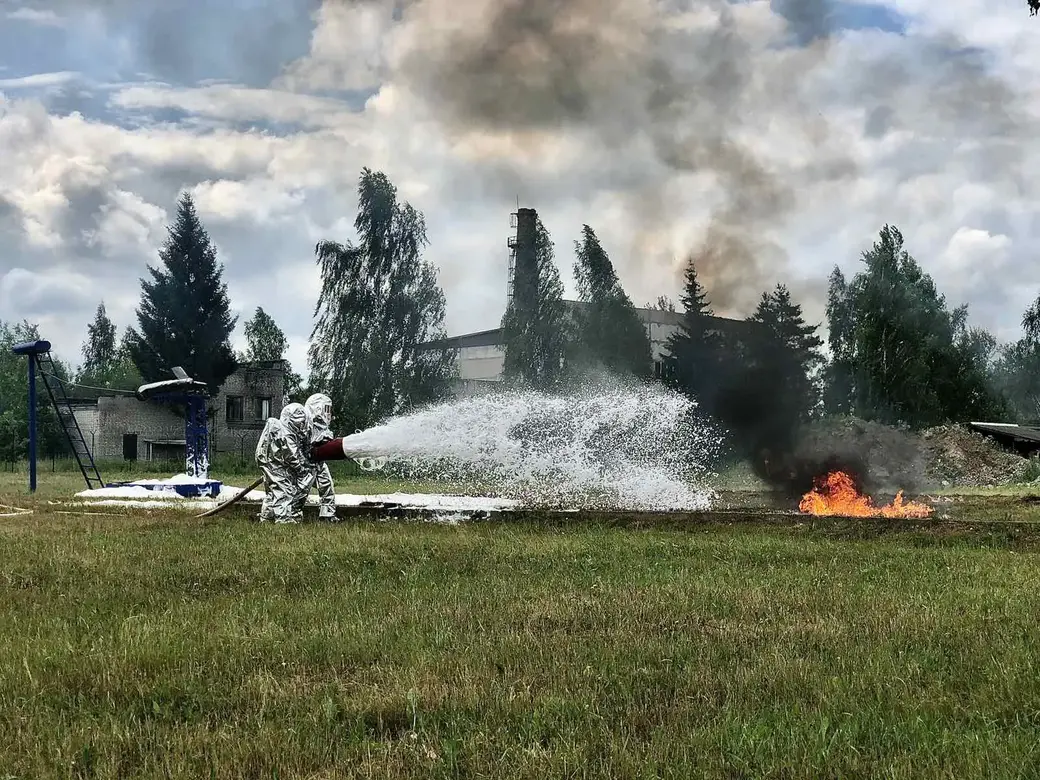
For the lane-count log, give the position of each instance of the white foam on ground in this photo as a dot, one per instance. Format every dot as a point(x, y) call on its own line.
point(142, 498)
point(164, 489)
point(128, 491)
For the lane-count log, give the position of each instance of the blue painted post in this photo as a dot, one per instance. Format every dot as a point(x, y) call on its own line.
point(32, 423)
point(196, 437)
point(31, 349)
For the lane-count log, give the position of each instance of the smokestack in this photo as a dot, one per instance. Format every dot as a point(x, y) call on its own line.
point(523, 272)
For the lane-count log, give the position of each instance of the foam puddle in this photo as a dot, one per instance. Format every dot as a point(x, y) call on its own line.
point(606, 444)
point(142, 498)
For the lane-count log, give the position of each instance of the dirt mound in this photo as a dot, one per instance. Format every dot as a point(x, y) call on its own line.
point(960, 456)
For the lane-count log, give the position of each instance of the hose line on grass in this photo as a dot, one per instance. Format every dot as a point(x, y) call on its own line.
point(18, 511)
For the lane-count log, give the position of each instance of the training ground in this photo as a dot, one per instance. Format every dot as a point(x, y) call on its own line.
point(746, 642)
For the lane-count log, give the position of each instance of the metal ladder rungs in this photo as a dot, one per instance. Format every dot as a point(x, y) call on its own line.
point(67, 417)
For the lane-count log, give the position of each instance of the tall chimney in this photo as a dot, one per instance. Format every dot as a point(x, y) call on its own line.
point(523, 284)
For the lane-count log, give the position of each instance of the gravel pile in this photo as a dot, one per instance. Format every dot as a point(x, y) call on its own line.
point(959, 456)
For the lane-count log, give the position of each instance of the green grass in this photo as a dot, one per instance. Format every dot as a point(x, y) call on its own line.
point(159, 645)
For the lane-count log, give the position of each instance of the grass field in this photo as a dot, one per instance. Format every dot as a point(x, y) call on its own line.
point(159, 645)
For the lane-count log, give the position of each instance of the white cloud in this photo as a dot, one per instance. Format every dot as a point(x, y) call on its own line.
point(45, 17)
point(40, 80)
point(236, 103)
point(260, 200)
point(346, 50)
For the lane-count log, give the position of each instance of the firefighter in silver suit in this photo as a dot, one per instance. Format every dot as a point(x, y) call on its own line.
point(282, 455)
point(319, 406)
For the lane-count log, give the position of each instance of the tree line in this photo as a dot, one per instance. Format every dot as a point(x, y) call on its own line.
point(897, 352)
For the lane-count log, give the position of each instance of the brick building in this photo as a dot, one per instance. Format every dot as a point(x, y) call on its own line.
point(123, 427)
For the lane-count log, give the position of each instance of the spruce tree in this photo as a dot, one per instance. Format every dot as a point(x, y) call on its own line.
point(380, 303)
point(694, 348)
point(99, 351)
point(790, 357)
point(535, 328)
point(609, 332)
point(185, 317)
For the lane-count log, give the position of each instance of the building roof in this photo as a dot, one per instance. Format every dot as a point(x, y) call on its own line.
point(1009, 431)
point(483, 338)
point(262, 365)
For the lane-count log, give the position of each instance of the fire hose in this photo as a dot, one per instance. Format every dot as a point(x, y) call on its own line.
point(333, 449)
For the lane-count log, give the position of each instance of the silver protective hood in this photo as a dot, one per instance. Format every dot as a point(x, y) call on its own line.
point(319, 406)
point(295, 420)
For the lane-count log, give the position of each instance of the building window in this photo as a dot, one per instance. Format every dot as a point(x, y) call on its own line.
point(235, 408)
point(261, 408)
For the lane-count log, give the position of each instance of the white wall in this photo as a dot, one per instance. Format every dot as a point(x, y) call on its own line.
point(87, 420)
point(481, 362)
point(485, 363)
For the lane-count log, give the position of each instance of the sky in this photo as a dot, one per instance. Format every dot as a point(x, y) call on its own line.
point(770, 139)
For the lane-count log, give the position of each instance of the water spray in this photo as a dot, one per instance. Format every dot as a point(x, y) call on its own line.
point(607, 444)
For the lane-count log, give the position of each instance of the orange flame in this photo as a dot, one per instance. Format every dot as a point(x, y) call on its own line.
point(837, 495)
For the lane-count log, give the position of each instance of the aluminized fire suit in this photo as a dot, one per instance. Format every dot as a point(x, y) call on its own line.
point(319, 406)
point(281, 455)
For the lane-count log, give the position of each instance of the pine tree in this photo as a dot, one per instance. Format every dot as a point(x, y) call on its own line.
point(379, 305)
point(693, 349)
point(185, 317)
point(791, 356)
point(609, 332)
point(99, 351)
point(535, 328)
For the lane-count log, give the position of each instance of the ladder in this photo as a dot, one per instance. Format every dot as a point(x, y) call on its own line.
point(67, 418)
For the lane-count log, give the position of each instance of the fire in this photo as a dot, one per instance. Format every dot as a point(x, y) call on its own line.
point(837, 495)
